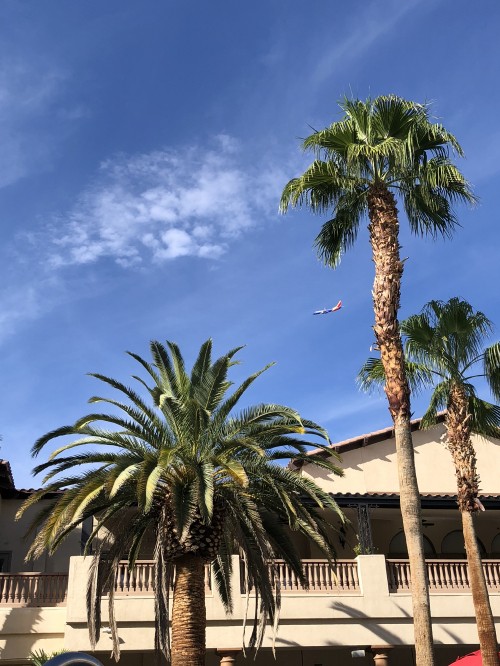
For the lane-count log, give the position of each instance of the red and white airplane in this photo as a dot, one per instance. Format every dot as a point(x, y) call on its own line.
point(327, 310)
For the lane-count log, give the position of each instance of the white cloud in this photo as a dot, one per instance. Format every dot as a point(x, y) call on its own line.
point(164, 205)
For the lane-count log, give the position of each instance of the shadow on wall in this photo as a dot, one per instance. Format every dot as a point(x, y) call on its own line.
point(18, 632)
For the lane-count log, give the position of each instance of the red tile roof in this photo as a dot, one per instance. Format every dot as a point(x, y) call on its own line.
point(6, 478)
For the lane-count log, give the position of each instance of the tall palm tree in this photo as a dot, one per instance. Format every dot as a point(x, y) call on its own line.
point(381, 150)
point(444, 347)
point(204, 480)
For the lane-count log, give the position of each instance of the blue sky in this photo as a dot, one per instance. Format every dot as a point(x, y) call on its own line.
point(144, 149)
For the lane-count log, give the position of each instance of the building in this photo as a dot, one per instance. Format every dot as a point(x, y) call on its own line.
point(366, 604)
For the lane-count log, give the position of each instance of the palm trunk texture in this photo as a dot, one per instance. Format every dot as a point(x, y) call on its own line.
point(464, 459)
point(384, 231)
point(189, 612)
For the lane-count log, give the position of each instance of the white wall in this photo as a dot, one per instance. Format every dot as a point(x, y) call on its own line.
point(373, 468)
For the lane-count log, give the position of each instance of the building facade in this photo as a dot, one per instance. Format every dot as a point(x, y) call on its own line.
point(363, 604)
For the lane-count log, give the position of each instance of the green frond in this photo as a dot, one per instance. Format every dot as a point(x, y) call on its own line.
point(396, 117)
point(123, 477)
point(334, 140)
point(206, 490)
point(320, 188)
point(202, 364)
point(390, 142)
point(485, 417)
point(102, 438)
point(148, 367)
point(371, 376)
point(181, 455)
point(216, 385)
point(151, 486)
point(140, 405)
point(492, 368)
point(226, 407)
point(184, 496)
point(163, 364)
point(84, 502)
point(182, 382)
point(438, 402)
point(222, 568)
point(42, 441)
point(235, 470)
point(339, 234)
point(418, 334)
point(140, 427)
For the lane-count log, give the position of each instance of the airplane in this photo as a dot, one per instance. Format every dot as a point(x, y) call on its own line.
point(327, 310)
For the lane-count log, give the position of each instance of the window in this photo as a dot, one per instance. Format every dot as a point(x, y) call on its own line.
point(495, 545)
point(453, 544)
point(5, 558)
point(398, 546)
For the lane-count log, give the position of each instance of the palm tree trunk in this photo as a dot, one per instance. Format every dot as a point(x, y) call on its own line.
point(464, 458)
point(188, 612)
point(384, 231)
point(482, 608)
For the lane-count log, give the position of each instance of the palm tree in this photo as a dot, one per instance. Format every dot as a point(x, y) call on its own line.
point(444, 347)
point(181, 465)
point(382, 149)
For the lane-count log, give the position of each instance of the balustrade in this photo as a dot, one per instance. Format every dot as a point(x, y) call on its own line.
point(443, 575)
point(321, 577)
point(33, 589)
point(141, 579)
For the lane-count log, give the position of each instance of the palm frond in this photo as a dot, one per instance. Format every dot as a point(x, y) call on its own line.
point(339, 234)
point(485, 417)
point(181, 462)
point(492, 368)
point(384, 142)
point(437, 403)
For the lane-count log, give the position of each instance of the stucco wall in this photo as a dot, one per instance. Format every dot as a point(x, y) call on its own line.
point(13, 538)
point(373, 468)
point(25, 629)
point(367, 617)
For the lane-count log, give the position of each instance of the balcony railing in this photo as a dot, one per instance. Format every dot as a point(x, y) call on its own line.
point(33, 589)
point(322, 578)
point(443, 575)
point(140, 581)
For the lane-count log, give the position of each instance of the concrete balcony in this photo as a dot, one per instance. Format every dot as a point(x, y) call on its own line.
point(32, 614)
point(366, 601)
point(445, 576)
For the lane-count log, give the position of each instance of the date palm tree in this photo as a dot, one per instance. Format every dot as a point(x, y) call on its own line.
point(444, 347)
point(380, 151)
point(177, 462)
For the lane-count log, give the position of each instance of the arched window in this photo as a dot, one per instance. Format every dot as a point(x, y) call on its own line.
point(453, 544)
point(495, 545)
point(398, 546)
